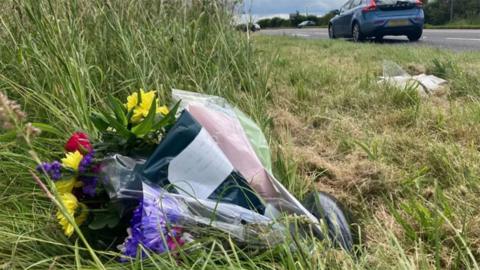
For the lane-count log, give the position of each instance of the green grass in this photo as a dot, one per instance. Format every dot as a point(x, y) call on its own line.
point(407, 167)
point(453, 26)
point(468, 23)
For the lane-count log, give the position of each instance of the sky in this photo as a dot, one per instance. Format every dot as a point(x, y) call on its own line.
point(282, 8)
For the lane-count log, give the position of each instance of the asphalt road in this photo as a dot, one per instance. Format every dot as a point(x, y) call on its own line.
point(458, 40)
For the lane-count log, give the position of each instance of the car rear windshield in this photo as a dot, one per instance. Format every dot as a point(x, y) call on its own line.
point(393, 2)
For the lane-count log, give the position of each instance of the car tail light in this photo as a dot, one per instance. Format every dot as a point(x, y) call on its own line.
point(419, 3)
point(372, 6)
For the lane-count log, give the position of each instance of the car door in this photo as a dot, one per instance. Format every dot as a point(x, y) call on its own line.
point(349, 14)
point(339, 26)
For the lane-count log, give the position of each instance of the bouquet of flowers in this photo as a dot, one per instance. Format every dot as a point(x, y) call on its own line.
point(157, 178)
point(133, 128)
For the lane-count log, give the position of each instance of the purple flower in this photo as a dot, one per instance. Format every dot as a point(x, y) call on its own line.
point(154, 226)
point(86, 162)
point(54, 169)
point(130, 246)
point(89, 187)
point(151, 224)
point(88, 172)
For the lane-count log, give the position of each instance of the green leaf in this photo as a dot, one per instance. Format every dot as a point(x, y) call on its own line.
point(8, 136)
point(168, 119)
point(78, 261)
point(121, 129)
point(48, 128)
point(139, 97)
point(99, 121)
point(146, 125)
point(118, 109)
point(129, 116)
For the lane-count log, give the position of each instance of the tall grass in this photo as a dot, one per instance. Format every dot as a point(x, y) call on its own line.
point(406, 166)
point(60, 59)
point(59, 54)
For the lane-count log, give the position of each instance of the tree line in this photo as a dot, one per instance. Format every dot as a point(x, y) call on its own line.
point(444, 11)
point(436, 13)
point(294, 20)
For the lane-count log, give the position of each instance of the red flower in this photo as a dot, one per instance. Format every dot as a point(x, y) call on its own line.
point(78, 142)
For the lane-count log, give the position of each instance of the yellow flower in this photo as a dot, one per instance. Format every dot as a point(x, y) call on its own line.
point(65, 186)
point(72, 160)
point(132, 101)
point(73, 207)
point(163, 110)
point(141, 110)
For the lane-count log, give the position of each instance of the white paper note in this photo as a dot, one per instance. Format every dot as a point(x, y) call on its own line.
point(200, 168)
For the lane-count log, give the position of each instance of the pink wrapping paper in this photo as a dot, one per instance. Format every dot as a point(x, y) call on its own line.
point(228, 133)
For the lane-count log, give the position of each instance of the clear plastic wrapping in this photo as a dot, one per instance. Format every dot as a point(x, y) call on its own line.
point(118, 175)
point(211, 173)
point(195, 215)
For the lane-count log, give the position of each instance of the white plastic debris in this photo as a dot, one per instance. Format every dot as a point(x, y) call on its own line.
point(426, 85)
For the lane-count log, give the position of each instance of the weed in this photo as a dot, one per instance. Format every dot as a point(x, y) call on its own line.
point(442, 68)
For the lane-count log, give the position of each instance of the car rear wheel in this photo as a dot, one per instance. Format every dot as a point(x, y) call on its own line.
point(415, 36)
point(331, 33)
point(357, 33)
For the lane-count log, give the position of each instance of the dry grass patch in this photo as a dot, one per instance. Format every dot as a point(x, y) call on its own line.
point(407, 166)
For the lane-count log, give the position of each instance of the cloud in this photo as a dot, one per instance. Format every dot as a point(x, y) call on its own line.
point(263, 8)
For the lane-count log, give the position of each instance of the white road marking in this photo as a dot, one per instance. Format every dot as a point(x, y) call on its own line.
point(301, 35)
point(466, 39)
point(460, 40)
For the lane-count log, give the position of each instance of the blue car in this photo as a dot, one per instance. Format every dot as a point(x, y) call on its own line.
point(361, 19)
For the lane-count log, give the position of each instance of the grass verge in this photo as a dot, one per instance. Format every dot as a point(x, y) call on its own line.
point(408, 168)
point(453, 26)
